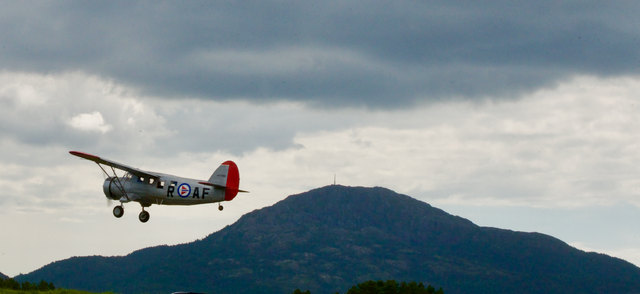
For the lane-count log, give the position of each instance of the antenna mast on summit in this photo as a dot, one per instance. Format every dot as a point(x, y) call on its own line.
point(334, 179)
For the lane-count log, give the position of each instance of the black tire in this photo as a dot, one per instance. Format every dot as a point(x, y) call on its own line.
point(118, 211)
point(220, 208)
point(143, 216)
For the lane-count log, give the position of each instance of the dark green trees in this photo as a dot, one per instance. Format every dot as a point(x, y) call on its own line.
point(26, 286)
point(388, 287)
point(9, 284)
point(392, 287)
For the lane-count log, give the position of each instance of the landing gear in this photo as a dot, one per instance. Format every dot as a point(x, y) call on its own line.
point(118, 211)
point(143, 216)
point(220, 207)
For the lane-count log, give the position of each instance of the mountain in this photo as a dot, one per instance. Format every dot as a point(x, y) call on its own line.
point(3, 276)
point(328, 239)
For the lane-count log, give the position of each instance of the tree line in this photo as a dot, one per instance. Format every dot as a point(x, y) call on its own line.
point(25, 286)
point(388, 287)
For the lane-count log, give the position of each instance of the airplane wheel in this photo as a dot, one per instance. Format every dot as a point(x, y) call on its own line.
point(220, 208)
point(118, 211)
point(143, 216)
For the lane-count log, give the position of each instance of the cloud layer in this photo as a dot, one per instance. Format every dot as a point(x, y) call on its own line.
point(573, 145)
point(330, 54)
point(568, 155)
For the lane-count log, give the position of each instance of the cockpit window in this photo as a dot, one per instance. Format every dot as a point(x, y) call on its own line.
point(140, 179)
point(151, 180)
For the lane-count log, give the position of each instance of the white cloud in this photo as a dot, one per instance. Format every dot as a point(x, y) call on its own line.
point(90, 122)
point(76, 110)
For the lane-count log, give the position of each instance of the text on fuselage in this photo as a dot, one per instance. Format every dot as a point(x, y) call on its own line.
point(184, 190)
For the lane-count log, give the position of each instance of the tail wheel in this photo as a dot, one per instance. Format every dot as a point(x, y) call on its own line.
point(220, 207)
point(143, 216)
point(118, 211)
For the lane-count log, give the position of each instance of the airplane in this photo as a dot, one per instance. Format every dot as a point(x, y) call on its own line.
point(149, 188)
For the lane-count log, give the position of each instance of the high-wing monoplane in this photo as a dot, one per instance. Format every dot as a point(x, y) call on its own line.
point(149, 188)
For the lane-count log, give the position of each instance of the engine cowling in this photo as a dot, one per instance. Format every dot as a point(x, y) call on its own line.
point(110, 189)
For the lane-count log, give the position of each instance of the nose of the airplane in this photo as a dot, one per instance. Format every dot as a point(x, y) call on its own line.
point(110, 189)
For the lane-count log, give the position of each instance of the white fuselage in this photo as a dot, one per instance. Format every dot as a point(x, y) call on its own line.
point(166, 190)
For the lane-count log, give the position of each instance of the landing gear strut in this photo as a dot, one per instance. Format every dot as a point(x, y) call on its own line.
point(143, 216)
point(118, 211)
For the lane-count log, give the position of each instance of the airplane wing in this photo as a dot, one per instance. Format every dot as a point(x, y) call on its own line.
point(111, 163)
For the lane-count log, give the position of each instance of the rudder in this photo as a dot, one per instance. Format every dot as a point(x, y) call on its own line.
point(227, 175)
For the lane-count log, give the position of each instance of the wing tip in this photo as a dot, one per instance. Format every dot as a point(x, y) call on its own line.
point(83, 155)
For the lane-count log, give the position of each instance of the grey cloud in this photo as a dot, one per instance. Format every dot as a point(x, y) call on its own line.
point(344, 53)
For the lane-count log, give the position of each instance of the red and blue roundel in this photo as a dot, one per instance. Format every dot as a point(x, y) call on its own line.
point(184, 190)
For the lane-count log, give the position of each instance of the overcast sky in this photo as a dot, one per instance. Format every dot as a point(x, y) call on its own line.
point(521, 116)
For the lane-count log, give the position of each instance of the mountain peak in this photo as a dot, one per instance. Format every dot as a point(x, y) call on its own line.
point(346, 208)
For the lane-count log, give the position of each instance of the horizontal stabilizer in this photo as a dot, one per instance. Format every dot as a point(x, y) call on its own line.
point(221, 187)
point(212, 185)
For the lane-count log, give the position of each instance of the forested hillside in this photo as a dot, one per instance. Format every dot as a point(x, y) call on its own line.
point(331, 238)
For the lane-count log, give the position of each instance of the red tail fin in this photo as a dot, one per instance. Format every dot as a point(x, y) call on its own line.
point(233, 181)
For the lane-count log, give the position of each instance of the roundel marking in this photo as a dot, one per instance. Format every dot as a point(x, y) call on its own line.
point(184, 190)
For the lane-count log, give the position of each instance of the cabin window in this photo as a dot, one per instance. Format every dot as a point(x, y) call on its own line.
point(173, 183)
point(140, 179)
point(151, 180)
point(160, 184)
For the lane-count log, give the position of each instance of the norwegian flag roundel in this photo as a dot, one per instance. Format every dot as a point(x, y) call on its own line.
point(184, 190)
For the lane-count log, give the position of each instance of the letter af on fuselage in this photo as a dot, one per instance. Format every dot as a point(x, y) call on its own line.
point(149, 188)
